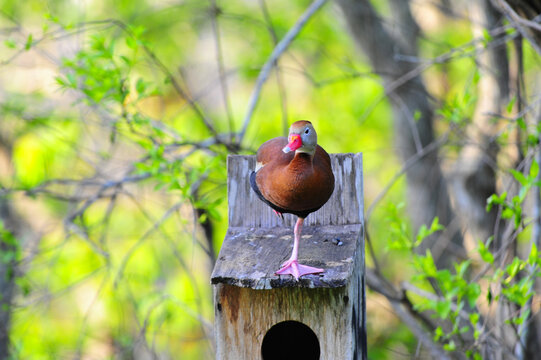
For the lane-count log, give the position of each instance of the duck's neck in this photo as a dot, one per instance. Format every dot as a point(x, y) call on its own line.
point(308, 151)
point(301, 162)
point(304, 156)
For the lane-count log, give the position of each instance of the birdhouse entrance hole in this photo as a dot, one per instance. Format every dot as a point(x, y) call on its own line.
point(288, 340)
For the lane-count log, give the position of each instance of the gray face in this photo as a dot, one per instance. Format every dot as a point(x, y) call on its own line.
point(309, 139)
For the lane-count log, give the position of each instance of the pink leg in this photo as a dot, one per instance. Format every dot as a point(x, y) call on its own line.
point(279, 214)
point(292, 266)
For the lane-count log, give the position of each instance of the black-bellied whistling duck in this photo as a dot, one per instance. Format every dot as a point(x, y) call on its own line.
point(294, 176)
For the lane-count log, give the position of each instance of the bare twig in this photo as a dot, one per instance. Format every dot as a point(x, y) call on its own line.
point(525, 346)
point(215, 11)
point(143, 238)
point(519, 22)
point(281, 88)
point(434, 146)
point(176, 85)
point(405, 312)
point(406, 286)
point(466, 50)
point(86, 317)
point(205, 328)
point(271, 61)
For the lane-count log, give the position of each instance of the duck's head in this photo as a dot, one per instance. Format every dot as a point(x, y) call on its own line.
point(302, 138)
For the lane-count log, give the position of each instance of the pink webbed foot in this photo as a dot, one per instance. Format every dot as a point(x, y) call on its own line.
point(292, 267)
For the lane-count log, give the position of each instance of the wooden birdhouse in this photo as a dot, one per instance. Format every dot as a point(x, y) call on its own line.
point(260, 315)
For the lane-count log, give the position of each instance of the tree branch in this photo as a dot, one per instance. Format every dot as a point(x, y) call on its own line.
point(281, 87)
point(215, 11)
point(519, 22)
point(279, 49)
point(427, 192)
point(404, 312)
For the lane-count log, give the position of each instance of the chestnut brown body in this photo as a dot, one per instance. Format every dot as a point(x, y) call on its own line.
point(296, 183)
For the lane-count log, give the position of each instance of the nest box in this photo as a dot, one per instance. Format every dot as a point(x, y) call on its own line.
point(260, 315)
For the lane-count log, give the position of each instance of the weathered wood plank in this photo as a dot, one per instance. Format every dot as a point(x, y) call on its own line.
point(243, 316)
point(251, 257)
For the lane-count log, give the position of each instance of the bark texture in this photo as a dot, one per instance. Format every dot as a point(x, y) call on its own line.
point(474, 175)
point(413, 114)
point(10, 269)
point(7, 279)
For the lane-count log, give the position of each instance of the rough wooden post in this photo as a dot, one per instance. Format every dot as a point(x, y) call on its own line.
point(259, 314)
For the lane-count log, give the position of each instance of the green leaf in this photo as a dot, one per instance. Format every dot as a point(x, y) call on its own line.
point(533, 258)
point(494, 199)
point(131, 42)
point(462, 267)
point(443, 308)
point(476, 77)
point(214, 214)
point(472, 293)
point(519, 177)
point(444, 277)
point(438, 333)
point(140, 86)
point(24, 285)
point(515, 266)
point(485, 253)
point(425, 232)
point(126, 60)
point(417, 115)
point(425, 264)
point(10, 43)
point(72, 82)
point(7, 257)
point(520, 292)
point(521, 123)
point(51, 18)
point(138, 31)
point(474, 318)
point(532, 140)
point(521, 195)
point(518, 320)
point(486, 35)
point(534, 170)
point(508, 213)
point(451, 346)
point(28, 44)
point(435, 226)
point(511, 104)
point(203, 218)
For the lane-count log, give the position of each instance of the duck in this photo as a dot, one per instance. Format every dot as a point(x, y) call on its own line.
point(294, 175)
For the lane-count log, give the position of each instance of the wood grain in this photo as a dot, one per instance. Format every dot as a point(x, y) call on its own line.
point(336, 315)
point(251, 257)
point(258, 242)
point(249, 299)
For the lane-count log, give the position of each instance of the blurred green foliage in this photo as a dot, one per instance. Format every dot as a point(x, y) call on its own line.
point(114, 160)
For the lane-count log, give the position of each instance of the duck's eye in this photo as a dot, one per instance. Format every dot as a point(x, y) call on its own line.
point(307, 131)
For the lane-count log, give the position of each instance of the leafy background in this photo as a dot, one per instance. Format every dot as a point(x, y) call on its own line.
point(117, 118)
